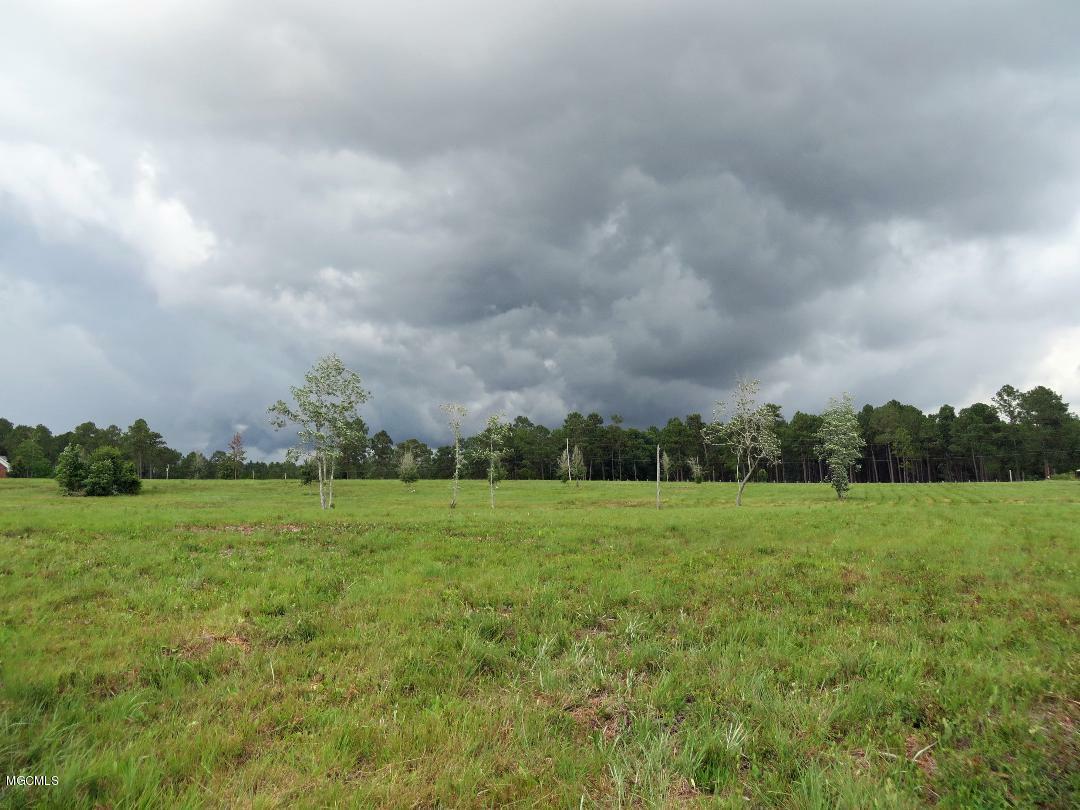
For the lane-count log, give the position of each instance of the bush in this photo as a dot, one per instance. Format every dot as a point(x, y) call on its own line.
point(127, 480)
point(71, 470)
point(99, 478)
point(107, 473)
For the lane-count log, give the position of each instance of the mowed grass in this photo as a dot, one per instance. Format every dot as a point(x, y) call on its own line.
point(228, 644)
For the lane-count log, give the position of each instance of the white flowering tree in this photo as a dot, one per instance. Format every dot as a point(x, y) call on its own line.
point(840, 442)
point(455, 415)
point(326, 418)
point(491, 447)
point(750, 431)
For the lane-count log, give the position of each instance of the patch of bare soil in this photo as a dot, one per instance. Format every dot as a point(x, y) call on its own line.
point(201, 646)
point(921, 754)
point(600, 712)
point(682, 790)
point(245, 528)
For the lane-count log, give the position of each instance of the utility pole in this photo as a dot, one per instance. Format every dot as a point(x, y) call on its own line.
point(657, 476)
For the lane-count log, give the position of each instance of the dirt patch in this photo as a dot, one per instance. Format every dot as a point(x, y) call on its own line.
point(850, 577)
point(683, 790)
point(1059, 716)
point(921, 753)
point(200, 647)
point(107, 685)
point(600, 627)
point(245, 529)
point(600, 712)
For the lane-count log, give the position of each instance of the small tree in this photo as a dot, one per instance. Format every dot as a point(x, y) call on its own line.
point(840, 442)
point(307, 473)
point(408, 471)
point(665, 466)
point(492, 448)
point(570, 466)
point(237, 454)
point(562, 467)
point(750, 431)
point(325, 413)
point(455, 414)
point(697, 472)
point(71, 470)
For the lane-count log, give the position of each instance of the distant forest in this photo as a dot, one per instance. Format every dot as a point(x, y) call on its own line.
point(1019, 434)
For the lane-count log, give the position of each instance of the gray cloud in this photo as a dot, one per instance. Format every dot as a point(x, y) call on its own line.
point(538, 207)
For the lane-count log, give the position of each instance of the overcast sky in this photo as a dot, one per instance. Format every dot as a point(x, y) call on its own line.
point(539, 207)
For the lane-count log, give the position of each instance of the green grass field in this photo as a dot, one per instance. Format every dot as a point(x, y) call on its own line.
point(228, 644)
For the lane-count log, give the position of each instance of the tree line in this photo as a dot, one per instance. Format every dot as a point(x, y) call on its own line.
point(1018, 435)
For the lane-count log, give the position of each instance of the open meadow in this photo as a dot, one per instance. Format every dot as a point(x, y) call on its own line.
point(221, 643)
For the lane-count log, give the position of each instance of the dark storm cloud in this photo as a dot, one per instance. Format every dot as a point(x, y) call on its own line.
point(538, 207)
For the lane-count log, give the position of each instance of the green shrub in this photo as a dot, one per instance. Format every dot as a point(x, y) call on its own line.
point(71, 470)
point(99, 478)
point(126, 479)
point(109, 473)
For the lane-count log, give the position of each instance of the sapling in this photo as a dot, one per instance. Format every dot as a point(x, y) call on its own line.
point(325, 413)
point(455, 414)
point(750, 431)
point(492, 448)
point(570, 466)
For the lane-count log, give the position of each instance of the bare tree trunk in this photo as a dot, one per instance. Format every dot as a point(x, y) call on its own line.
point(742, 483)
point(322, 476)
point(457, 471)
